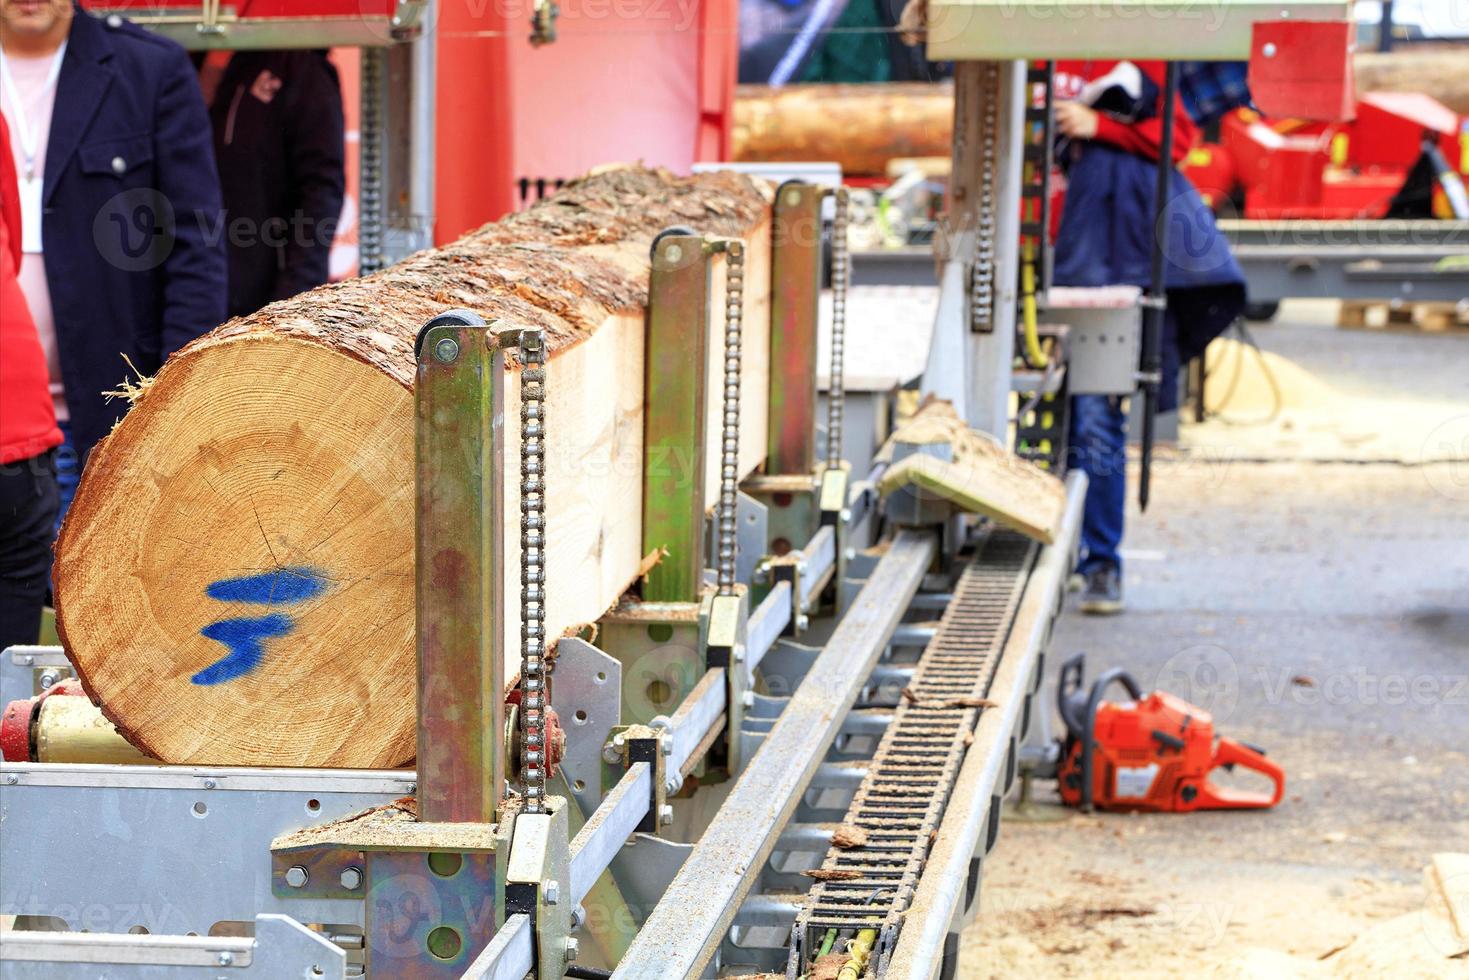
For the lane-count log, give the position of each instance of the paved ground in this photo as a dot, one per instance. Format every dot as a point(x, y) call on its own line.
point(1318, 609)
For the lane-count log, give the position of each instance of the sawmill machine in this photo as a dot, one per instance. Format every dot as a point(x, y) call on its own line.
point(850, 666)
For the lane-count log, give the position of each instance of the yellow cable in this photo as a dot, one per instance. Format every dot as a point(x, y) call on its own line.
point(857, 952)
point(1033, 353)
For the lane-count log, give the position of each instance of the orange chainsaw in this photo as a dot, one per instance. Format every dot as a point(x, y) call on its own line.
point(1152, 753)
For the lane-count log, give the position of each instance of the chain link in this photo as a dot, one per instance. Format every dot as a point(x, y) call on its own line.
point(533, 692)
point(982, 273)
point(841, 277)
point(729, 464)
point(370, 152)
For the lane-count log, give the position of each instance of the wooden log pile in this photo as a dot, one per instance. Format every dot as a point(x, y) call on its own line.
point(235, 581)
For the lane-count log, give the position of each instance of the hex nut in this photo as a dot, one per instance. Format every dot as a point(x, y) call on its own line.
point(551, 891)
point(573, 950)
point(665, 815)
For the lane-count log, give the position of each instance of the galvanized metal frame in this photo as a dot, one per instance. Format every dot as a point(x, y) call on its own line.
point(685, 931)
point(676, 383)
point(281, 947)
point(795, 288)
point(459, 407)
point(176, 815)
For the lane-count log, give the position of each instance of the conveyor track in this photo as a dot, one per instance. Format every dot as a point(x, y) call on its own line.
point(912, 773)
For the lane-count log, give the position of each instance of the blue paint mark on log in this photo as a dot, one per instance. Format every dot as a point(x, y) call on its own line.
point(245, 638)
point(282, 587)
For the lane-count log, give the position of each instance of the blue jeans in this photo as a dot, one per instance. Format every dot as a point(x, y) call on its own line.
point(1098, 447)
point(68, 472)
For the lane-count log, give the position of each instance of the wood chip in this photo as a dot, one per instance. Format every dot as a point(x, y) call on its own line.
point(847, 836)
point(831, 874)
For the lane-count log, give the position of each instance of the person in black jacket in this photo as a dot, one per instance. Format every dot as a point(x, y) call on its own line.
point(125, 197)
point(278, 140)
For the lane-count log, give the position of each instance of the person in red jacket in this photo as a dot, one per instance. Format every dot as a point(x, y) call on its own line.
point(28, 437)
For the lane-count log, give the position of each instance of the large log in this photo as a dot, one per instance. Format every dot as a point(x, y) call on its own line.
point(235, 580)
point(1439, 71)
point(861, 127)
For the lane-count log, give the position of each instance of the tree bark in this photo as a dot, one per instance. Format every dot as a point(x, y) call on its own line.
point(235, 580)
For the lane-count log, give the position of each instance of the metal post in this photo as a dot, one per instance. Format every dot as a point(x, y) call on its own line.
point(1157, 299)
point(674, 413)
point(460, 403)
point(969, 361)
point(795, 285)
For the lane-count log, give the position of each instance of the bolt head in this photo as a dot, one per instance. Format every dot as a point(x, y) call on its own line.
point(573, 950)
point(551, 891)
point(297, 876)
point(11, 779)
point(748, 699)
point(673, 252)
point(211, 783)
point(351, 879)
point(27, 660)
point(665, 815)
point(803, 622)
point(446, 350)
point(1268, 50)
point(226, 958)
point(48, 679)
point(610, 755)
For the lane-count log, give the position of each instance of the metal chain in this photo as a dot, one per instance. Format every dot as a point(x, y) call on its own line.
point(729, 466)
point(533, 693)
point(982, 274)
point(370, 162)
point(841, 276)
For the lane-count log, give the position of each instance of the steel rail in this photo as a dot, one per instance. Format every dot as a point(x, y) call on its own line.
point(685, 929)
point(508, 956)
point(604, 833)
point(700, 711)
point(919, 953)
point(767, 624)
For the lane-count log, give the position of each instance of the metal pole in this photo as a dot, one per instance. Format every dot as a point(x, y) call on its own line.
point(1157, 301)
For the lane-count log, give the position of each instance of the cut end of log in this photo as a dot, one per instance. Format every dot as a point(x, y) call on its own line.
point(253, 503)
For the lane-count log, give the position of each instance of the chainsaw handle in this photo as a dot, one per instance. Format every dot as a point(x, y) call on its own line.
point(1088, 737)
point(1231, 753)
point(1068, 682)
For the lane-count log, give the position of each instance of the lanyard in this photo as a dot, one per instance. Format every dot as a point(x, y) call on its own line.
point(28, 136)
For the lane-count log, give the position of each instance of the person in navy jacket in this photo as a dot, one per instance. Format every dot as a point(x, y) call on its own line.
point(133, 236)
point(1113, 121)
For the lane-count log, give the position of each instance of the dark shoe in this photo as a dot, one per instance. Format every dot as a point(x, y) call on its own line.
point(1103, 595)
